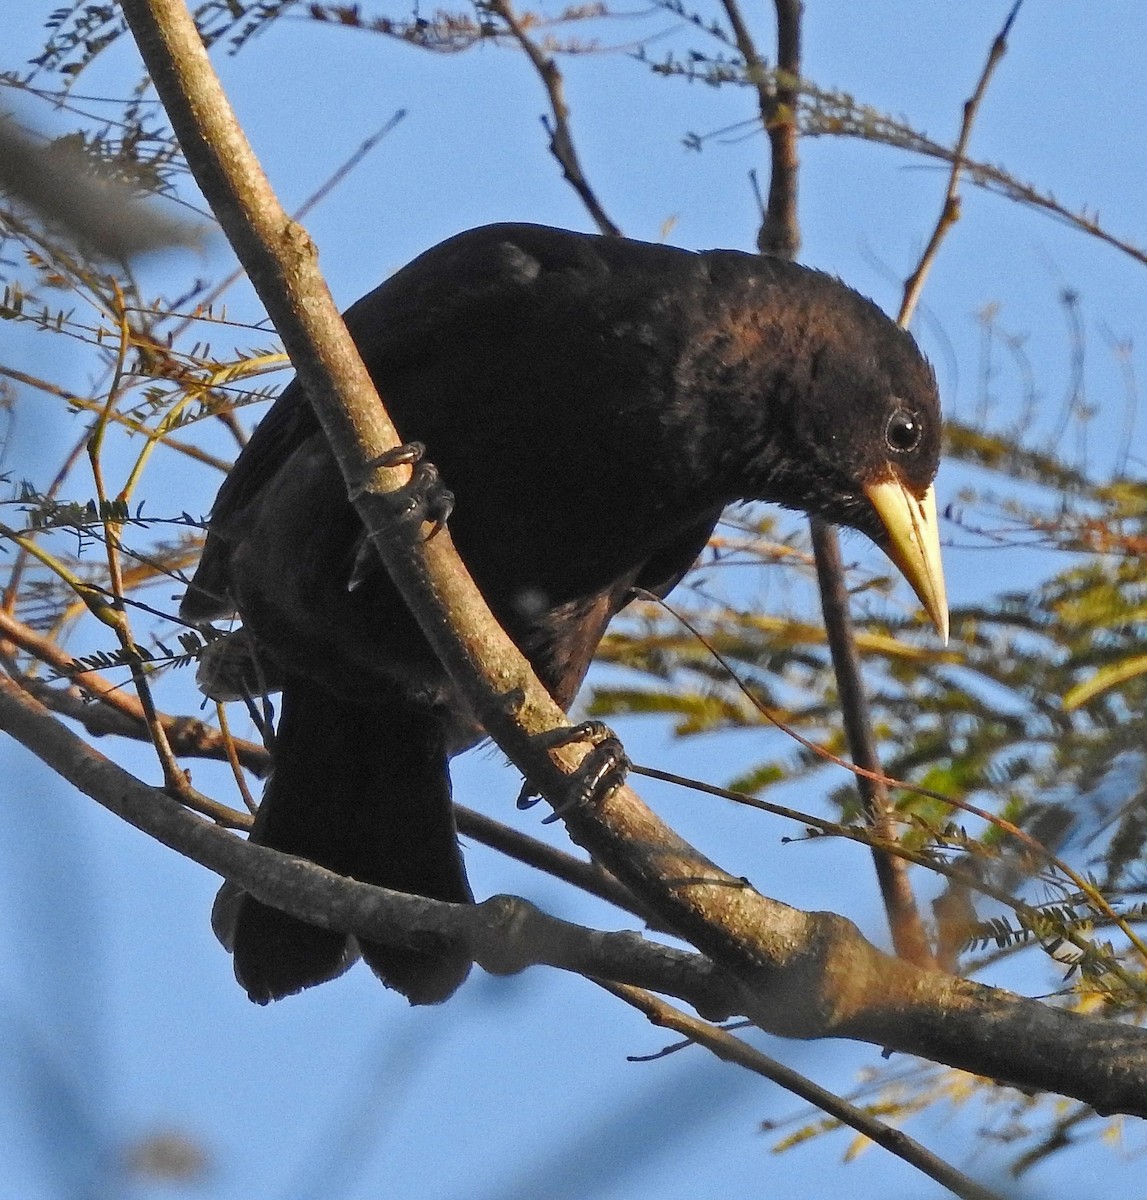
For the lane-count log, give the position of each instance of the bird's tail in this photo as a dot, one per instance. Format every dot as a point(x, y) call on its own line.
point(364, 792)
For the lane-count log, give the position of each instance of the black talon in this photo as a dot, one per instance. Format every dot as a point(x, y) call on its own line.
point(601, 773)
point(424, 497)
point(405, 455)
point(527, 797)
point(592, 731)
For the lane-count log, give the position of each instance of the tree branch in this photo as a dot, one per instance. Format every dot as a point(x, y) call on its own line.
point(733, 1050)
point(561, 136)
point(505, 934)
point(950, 211)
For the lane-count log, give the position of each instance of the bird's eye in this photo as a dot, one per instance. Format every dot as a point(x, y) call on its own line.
point(903, 432)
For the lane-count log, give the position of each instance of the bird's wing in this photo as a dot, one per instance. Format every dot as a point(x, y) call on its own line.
point(665, 569)
point(288, 423)
point(430, 326)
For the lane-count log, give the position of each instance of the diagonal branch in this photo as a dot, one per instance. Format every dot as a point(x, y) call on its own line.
point(950, 212)
point(732, 1049)
point(561, 136)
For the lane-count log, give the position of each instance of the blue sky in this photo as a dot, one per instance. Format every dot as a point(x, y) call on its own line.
point(128, 1020)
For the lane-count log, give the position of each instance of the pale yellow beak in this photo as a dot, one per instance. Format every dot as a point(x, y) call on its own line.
point(914, 535)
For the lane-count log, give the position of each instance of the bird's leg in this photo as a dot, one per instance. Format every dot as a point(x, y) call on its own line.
point(424, 497)
point(601, 773)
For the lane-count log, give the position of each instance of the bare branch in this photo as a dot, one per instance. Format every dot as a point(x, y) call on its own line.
point(44, 386)
point(904, 920)
point(561, 135)
point(732, 1049)
point(950, 213)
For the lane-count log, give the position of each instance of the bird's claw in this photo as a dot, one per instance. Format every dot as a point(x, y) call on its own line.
point(423, 497)
point(601, 773)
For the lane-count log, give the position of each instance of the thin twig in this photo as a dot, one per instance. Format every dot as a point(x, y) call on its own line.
point(228, 741)
point(317, 196)
point(115, 615)
point(728, 1048)
point(188, 736)
point(561, 136)
point(904, 921)
point(853, 833)
point(23, 558)
point(950, 211)
point(587, 876)
point(128, 422)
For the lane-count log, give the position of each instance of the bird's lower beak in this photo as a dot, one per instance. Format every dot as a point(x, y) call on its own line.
point(914, 543)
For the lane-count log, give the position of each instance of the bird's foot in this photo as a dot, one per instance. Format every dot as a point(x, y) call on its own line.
point(601, 773)
point(424, 497)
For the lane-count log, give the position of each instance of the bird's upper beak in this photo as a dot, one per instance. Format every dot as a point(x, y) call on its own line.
point(913, 542)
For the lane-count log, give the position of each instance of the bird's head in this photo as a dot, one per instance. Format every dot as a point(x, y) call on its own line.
point(856, 433)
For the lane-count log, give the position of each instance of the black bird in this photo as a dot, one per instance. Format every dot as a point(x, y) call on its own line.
point(593, 404)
